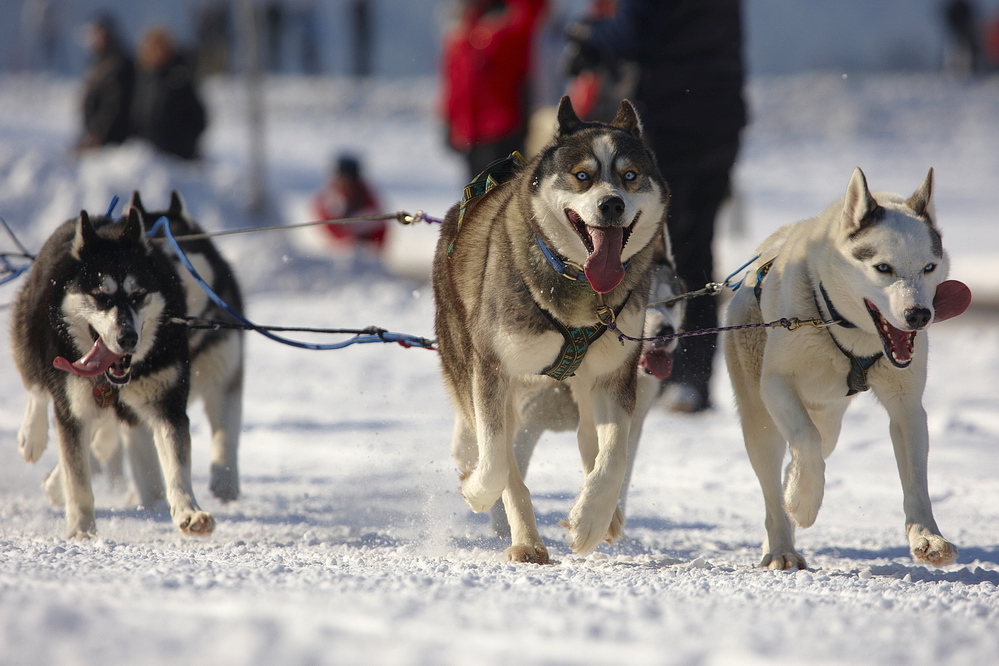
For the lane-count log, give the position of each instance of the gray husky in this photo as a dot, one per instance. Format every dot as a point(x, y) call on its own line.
point(530, 269)
point(90, 334)
point(875, 265)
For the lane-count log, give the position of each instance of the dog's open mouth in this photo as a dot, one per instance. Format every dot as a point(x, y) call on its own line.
point(898, 344)
point(116, 367)
point(604, 245)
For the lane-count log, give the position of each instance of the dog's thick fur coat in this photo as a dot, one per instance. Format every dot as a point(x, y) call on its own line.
point(99, 293)
point(595, 198)
point(875, 264)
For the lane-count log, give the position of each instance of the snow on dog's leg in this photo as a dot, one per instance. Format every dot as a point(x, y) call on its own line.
point(910, 439)
point(33, 436)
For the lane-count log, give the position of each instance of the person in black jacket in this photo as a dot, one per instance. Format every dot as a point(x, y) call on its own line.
point(689, 95)
point(107, 95)
point(167, 110)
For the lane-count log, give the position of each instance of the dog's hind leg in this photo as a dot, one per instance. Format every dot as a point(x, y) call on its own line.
point(527, 545)
point(603, 445)
point(225, 415)
point(766, 448)
point(910, 439)
point(524, 443)
point(144, 463)
point(33, 436)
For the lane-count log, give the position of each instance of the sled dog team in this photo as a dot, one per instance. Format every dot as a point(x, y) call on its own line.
point(536, 272)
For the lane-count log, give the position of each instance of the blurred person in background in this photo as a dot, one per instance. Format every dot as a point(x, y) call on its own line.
point(964, 51)
point(109, 86)
point(347, 194)
point(689, 94)
point(485, 66)
point(167, 110)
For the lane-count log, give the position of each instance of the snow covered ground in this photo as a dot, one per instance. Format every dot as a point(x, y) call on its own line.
point(350, 543)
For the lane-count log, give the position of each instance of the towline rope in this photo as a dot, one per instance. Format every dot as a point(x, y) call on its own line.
point(361, 336)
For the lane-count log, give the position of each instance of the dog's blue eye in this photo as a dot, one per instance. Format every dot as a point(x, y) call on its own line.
point(930, 268)
point(582, 176)
point(883, 268)
point(630, 175)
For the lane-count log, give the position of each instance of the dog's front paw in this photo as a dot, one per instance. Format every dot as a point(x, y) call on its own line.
point(532, 553)
point(783, 561)
point(931, 548)
point(31, 443)
point(196, 523)
point(224, 483)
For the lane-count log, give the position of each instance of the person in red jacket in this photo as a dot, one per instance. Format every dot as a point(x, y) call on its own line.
point(348, 195)
point(485, 67)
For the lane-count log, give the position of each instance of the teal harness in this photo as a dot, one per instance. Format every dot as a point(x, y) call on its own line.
point(856, 378)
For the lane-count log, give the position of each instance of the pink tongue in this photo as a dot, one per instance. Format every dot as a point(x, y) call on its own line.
point(603, 267)
point(658, 362)
point(952, 298)
point(96, 361)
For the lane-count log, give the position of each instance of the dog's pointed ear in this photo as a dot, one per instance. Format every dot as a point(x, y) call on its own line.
point(85, 235)
point(567, 121)
point(133, 227)
point(921, 202)
point(177, 207)
point(627, 119)
point(136, 202)
point(860, 210)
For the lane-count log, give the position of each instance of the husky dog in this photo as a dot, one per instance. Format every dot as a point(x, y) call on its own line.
point(874, 264)
point(551, 408)
point(529, 270)
point(100, 294)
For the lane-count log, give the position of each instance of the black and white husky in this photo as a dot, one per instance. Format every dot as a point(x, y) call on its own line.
point(529, 271)
point(216, 367)
point(875, 265)
point(90, 334)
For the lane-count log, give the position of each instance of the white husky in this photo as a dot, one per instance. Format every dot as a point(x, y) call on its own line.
point(874, 264)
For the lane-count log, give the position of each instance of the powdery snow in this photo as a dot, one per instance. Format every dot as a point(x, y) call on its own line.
point(350, 543)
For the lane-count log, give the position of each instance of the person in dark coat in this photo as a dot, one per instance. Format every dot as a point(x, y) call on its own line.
point(107, 95)
point(167, 110)
point(689, 95)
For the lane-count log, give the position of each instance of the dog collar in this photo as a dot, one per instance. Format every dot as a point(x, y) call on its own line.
point(833, 312)
point(563, 267)
point(577, 340)
point(105, 395)
point(856, 379)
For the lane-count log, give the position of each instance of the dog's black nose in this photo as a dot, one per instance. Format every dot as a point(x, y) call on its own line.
point(917, 318)
point(128, 339)
point(611, 207)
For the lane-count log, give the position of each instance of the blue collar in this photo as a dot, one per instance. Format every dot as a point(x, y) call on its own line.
point(565, 268)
